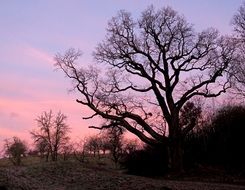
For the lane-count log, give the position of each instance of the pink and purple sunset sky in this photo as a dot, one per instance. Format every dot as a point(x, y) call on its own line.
point(32, 32)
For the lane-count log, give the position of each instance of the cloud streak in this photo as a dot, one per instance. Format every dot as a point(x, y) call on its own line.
point(39, 55)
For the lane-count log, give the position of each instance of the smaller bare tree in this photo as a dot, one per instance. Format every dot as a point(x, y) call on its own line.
point(67, 151)
point(52, 133)
point(15, 149)
point(105, 144)
point(80, 150)
point(114, 134)
point(93, 145)
point(42, 147)
point(131, 145)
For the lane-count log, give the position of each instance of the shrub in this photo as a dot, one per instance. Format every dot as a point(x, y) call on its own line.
point(221, 143)
point(15, 149)
point(149, 161)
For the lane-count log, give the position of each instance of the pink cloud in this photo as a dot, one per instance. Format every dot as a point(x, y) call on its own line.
point(8, 133)
point(25, 54)
point(38, 54)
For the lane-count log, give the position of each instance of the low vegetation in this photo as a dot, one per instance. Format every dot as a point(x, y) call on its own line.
point(101, 174)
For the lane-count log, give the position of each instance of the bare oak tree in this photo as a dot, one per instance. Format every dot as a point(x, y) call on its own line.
point(147, 70)
point(52, 133)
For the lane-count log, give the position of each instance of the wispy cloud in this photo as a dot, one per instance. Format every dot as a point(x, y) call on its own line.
point(37, 54)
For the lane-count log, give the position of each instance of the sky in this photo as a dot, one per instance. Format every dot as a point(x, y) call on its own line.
point(32, 32)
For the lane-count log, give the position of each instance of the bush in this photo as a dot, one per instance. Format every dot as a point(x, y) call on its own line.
point(196, 147)
point(15, 149)
point(221, 143)
point(147, 162)
point(228, 138)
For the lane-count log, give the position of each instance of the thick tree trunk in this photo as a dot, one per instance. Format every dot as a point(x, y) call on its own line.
point(175, 146)
point(54, 156)
point(47, 156)
point(176, 156)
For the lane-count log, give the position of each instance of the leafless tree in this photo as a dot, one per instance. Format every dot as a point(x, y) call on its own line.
point(237, 69)
point(114, 135)
point(238, 22)
point(15, 149)
point(67, 150)
point(51, 135)
point(147, 70)
point(80, 150)
point(42, 147)
point(105, 144)
point(93, 145)
point(131, 145)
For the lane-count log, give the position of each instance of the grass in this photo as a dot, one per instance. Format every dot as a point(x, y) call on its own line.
point(94, 173)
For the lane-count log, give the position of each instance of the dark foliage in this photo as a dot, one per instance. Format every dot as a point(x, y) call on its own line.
point(3, 187)
point(150, 161)
point(222, 143)
point(228, 138)
point(196, 147)
point(15, 149)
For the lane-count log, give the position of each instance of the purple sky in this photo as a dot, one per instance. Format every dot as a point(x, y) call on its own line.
point(32, 32)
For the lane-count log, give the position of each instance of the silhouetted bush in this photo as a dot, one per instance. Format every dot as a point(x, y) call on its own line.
point(2, 187)
point(227, 145)
point(150, 161)
point(15, 150)
point(196, 147)
point(220, 144)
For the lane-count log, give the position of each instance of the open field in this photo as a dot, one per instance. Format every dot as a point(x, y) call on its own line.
point(72, 175)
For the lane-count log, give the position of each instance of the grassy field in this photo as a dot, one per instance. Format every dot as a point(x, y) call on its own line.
point(95, 174)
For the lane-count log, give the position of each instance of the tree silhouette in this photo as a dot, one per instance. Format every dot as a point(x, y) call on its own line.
point(220, 142)
point(238, 22)
point(93, 145)
point(114, 137)
point(150, 68)
point(42, 147)
point(189, 115)
point(51, 135)
point(15, 149)
point(237, 69)
point(226, 147)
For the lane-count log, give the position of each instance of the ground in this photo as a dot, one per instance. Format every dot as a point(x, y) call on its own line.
point(72, 175)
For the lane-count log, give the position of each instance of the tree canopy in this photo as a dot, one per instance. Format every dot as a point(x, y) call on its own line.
point(151, 67)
